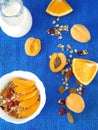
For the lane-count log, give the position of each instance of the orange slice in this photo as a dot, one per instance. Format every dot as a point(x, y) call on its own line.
point(23, 82)
point(32, 46)
point(84, 70)
point(59, 8)
point(28, 112)
point(20, 89)
point(30, 101)
point(28, 95)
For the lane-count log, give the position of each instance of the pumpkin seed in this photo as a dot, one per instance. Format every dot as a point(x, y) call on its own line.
point(61, 89)
point(57, 62)
point(70, 118)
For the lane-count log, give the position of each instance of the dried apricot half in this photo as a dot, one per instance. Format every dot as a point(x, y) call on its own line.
point(29, 111)
point(32, 46)
point(23, 82)
point(28, 95)
point(57, 62)
point(75, 103)
point(30, 101)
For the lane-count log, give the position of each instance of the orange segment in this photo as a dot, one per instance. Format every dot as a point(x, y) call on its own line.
point(23, 82)
point(28, 95)
point(20, 89)
point(84, 70)
point(59, 8)
point(30, 101)
point(28, 112)
point(32, 46)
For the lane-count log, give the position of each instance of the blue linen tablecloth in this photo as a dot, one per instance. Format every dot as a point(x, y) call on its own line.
point(13, 57)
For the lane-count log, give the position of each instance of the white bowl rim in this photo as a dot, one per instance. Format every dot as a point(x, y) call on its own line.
point(27, 75)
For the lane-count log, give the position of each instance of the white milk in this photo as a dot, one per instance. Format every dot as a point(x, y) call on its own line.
point(16, 26)
point(12, 9)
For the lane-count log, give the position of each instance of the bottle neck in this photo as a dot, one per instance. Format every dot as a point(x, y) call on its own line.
point(11, 8)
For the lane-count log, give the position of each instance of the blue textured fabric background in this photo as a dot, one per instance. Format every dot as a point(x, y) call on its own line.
point(13, 57)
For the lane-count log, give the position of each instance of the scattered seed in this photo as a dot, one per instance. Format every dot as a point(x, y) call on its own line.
point(68, 46)
point(75, 50)
point(57, 25)
point(66, 88)
point(80, 88)
point(66, 28)
point(54, 22)
point(70, 56)
point(61, 89)
point(71, 51)
point(66, 70)
point(80, 93)
point(61, 101)
point(62, 111)
point(70, 118)
point(77, 90)
point(58, 19)
point(49, 56)
point(63, 71)
point(60, 37)
point(61, 46)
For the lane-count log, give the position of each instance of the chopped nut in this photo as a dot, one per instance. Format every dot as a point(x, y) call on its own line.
point(61, 46)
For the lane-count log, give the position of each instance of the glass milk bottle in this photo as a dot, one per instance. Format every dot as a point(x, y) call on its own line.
point(15, 18)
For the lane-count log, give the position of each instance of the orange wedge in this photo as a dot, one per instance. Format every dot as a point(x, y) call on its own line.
point(23, 82)
point(59, 8)
point(28, 112)
point(28, 95)
point(30, 101)
point(84, 70)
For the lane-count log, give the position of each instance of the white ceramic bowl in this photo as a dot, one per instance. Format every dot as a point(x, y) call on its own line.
point(27, 75)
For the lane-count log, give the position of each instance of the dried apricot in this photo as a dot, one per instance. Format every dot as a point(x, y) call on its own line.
point(28, 95)
point(32, 46)
point(23, 82)
point(28, 112)
point(30, 101)
point(57, 62)
point(20, 89)
point(75, 103)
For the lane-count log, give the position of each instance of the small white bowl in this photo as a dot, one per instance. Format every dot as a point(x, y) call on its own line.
point(27, 75)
